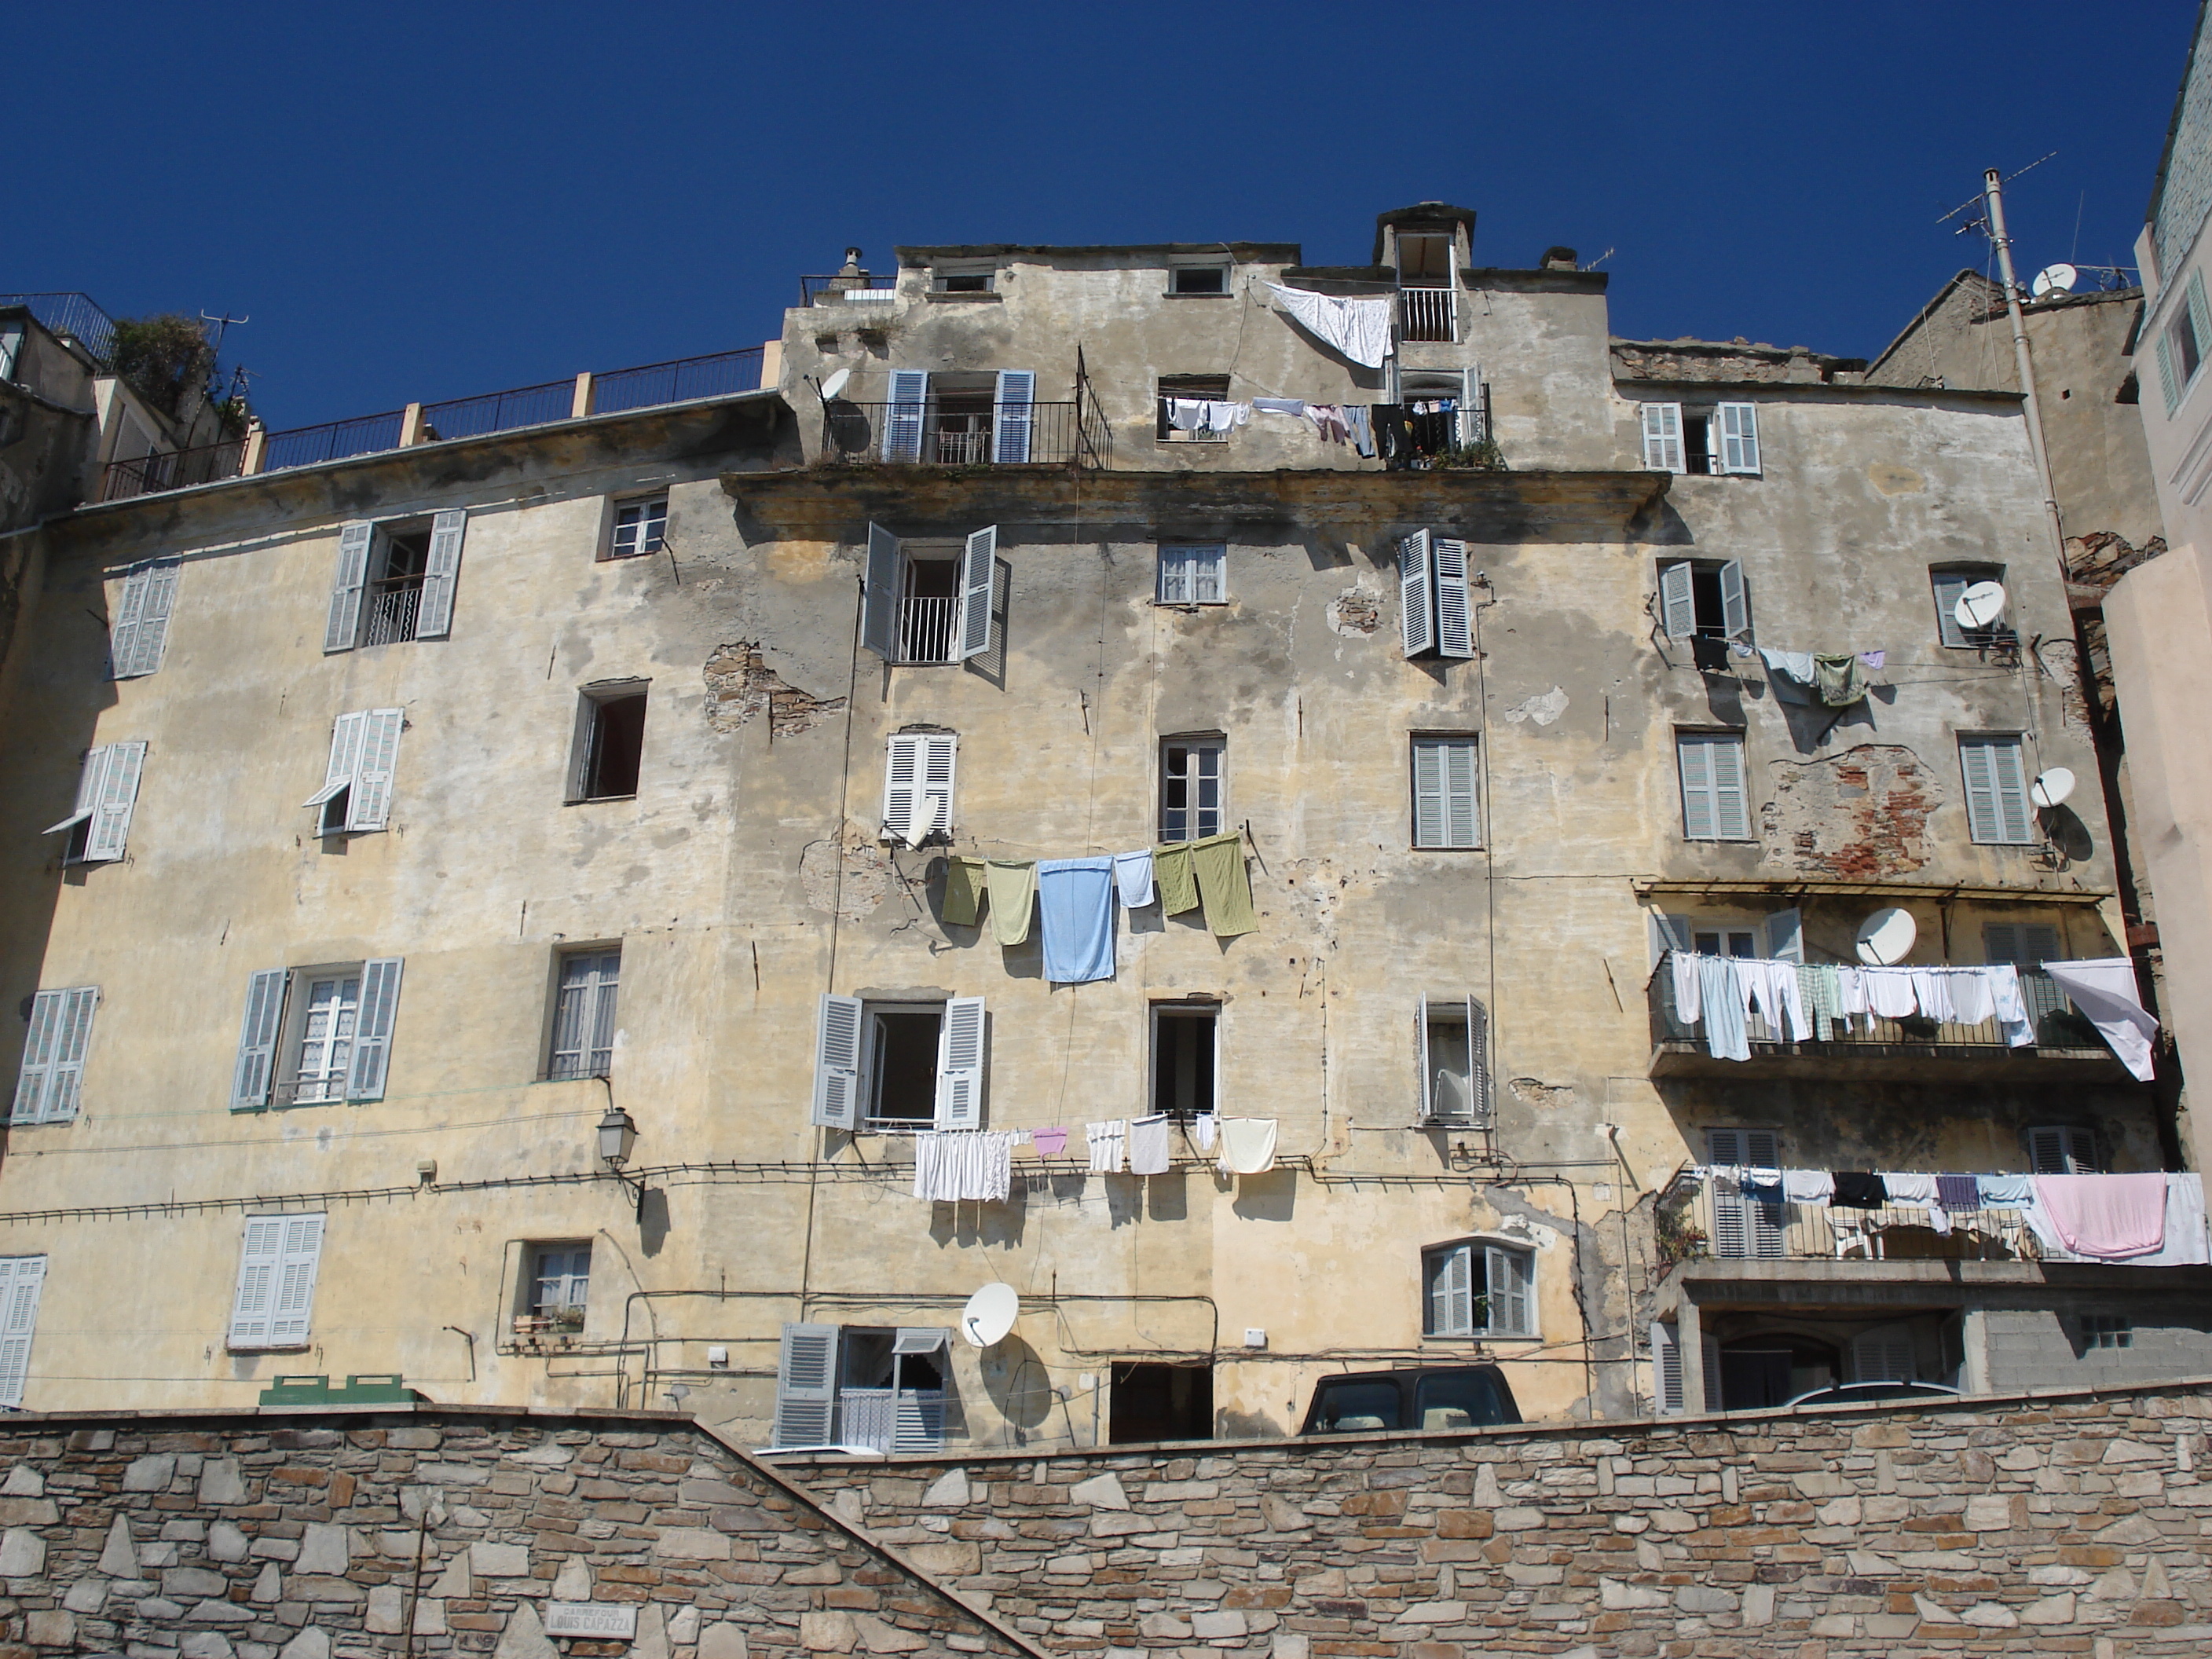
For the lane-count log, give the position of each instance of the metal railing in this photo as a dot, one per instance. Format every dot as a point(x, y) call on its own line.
point(500, 411)
point(812, 288)
point(924, 630)
point(1717, 1220)
point(2059, 1030)
point(333, 440)
point(73, 314)
point(1428, 314)
point(150, 474)
point(922, 434)
point(679, 381)
point(392, 611)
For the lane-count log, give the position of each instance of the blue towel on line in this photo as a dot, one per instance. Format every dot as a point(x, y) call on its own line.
point(1075, 915)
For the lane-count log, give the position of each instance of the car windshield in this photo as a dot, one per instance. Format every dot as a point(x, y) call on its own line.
point(1457, 1400)
point(1346, 1407)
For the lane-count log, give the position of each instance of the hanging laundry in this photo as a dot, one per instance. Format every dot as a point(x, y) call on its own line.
point(1851, 994)
point(1958, 1192)
point(1840, 679)
point(1361, 420)
point(1148, 1145)
point(1075, 904)
point(1359, 329)
point(1202, 1130)
point(1819, 987)
point(1774, 986)
point(2185, 1242)
point(1931, 990)
point(1687, 979)
point(1049, 1143)
point(1790, 674)
point(1222, 417)
point(1860, 1190)
point(951, 1166)
point(1973, 1001)
point(1279, 405)
point(1726, 1037)
point(1108, 1142)
point(1187, 414)
point(1174, 879)
point(1874, 658)
point(2005, 1191)
point(1920, 1190)
point(1248, 1146)
point(1329, 421)
point(963, 890)
point(1133, 878)
point(2109, 1218)
point(2009, 1007)
point(1808, 1186)
point(1889, 992)
point(1224, 885)
point(1011, 884)
point(2104, 989)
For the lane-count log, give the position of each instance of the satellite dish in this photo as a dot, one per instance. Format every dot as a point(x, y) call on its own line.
point(990, 1315)
point(1886, 937)
point(1981, 604)
point(834, 385)
point(2054, 279)
point(2053, 787)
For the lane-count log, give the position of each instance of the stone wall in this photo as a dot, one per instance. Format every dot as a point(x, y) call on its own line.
point(2074, 1523)
point(439, 1533)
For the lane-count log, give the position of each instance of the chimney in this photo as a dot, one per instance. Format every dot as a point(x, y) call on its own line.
point(1559, 259)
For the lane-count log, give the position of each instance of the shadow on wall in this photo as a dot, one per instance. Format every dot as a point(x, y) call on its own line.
point(1018, 1386)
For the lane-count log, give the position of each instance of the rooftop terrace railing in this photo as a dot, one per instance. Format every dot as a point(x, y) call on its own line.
point(73, 314)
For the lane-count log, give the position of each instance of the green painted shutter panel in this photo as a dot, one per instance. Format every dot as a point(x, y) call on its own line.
point(879, 615)
point(837, 1064)
point(960, 1065)
point(435, 620)
point(978, 569)
point(1678, 605)
point(342, 631)
point(1416, 619)
point(372, 1043)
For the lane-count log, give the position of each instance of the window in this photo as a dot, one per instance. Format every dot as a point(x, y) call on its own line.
point(1476, 1288)
point(899, 1065)
point(856, 1386)
point(1444, 409)
point(556, 1288)
point(1426, 310)
point(1198, 279)
point(609, 745)
point(21, 1279)
point(1186, 389)
point(1997, 791)
point(1743, 1226)
point(639, 528)
point(53, 1073)
point(395, 581)
point(1193, 576)
point(1779, 934)
point(930, 602)
point(1192, 805)
point(1151, 1401)
point(1444, 807)
point(2181, 343)
point(966, 279)
point(1714, 804)
point(1184, 1048)
point(1454, 1057)
point(276, 1272)
point(2029, 943)
point(1703, 600)
point(959, 419)
point(1435, 609)
point(1887, 1354)
point(1719, 439)
point(918, 776)
point(2107, 1331)
point(355, 798)
point(1949, 582)
point(316, 1035)
point(142, 618)
point(2061, 1149)
point(584, 1014)
point(99, 828)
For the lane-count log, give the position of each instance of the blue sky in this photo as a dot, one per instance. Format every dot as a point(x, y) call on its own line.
point(425, 201)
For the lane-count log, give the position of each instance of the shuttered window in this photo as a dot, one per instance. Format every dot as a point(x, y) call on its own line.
point(2182, 343)
point(903, 418)
point(837, 1063)
point(99, 827)
point(1662, 437)
point(1479, 1289)
point(1666, 1370)
point(1445, 805)
point(2063, 1150)
point(1435, 602)
point(1884, 1356)
point(1510, 1277)
point(142, 618)
point(807, 1386)
point(342, 629)
point(1997, 791)
point(1011, 404)
point(276, 1269)
point(1455, 1061)
point(48, 1084)
point(2029, 943)
point(435, 620)
point(1714, 807)
point(584, 1015)
point(1738, 427)
point(316, 1035)
point(1449, 1301)
point(979, 571)
point(22, 1278)
point(918, 777)
point(355, 798)
point(1744, 1227)
point(960, 1066)
point(1948, 583)
point(1193, 576)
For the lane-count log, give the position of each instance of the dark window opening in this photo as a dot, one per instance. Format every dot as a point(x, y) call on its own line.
point(903, 1064)
point(395, 591)
point(966, 281)
point(1202, 279)
point(2188, 350)
point(2107, 1331)
point(1160, 1402)
point(614, 746)
point(1211, 388)
point(1425, 260)
point(1706, 596)
point(931, 579)
point(1184, 1060)
point(960, 424)
point(1730, 944)
point(1772, 1370)
point(1697, 447)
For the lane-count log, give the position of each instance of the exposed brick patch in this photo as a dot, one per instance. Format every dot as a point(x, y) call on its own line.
point(740, 685)
point(1853, 816)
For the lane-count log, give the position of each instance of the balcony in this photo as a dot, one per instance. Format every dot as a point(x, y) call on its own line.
point(394, 607)
point(892, 1420)
point(1428, 314)
point(928, 436)
point(1888, 1049)
point(1709, 1217)
point(924, 629)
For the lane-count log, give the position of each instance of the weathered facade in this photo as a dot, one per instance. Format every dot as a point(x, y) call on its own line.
point(615, 701)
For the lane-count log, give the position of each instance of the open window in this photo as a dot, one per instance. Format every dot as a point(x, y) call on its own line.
point(1477, 1287)
point(1435, 610)
point(1426, 310)
point(888, 1067)
point(395, 581)
point(2182, 343)
point(964, 277)
point(355, 798)
point(1717, 439)
point(1445, 409)
point(929, 601)
point(1186, 1037)
point(277, 1264)
point(886, 1389)
point(960, 418)
point(99, 827)
point(584, 1003)
point(317, 1035)
point(639, 528)
point(609, 750)
point(52, 1076)
point(1703, 600)
point(1152, 1401)
point(554, 1291)
point(1455, 1062)
point(1194, 783)
point(1178, 423)
point(1949, 582)
point(1210, 278)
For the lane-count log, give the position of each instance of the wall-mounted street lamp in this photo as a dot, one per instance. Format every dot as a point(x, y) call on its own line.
point(617, 1135)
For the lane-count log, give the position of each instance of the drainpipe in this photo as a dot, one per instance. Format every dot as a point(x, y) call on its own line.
point(1993, 191)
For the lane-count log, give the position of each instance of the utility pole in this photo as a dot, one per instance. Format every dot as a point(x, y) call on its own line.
point(1993, 193)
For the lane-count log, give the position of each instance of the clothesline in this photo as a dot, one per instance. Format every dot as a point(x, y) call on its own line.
point(952, 1166)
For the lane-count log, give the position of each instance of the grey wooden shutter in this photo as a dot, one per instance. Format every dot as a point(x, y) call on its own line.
point(1463, 819)
point(807, 1386)
point(1709, 1349)
point(903, 763)
point(259, 1256)
point(1996, 790)
point(295, 1299)
point(1470, 422)
point(162, 578)
point(1426, 1108)
point(2200, 315)
point(2168, 383)
point(1739, 425)
point(2008, 774)
point(51, 1081)
point(1736, 603)
point(257, 1039)
point(902, 416)
point(1884, 1356)
point(1010, 415)
point(88, 790)
point(122, 633)
point(1743, 1227)
point(1662, 437)
point(2063, 1150)
point(345, 758)
point(978, 569)
point(2029, 943)
point(918, 1422)
point(1948, 586)
point(1451, 1294)
point(1479, 1101)
point(372, 1041)
point(1455, 611)
point(933, 809)
point(1731, 807)
point(1666, 1371)
point(1700, 801)
point(1785, 936)
point(22, 1278)
point(110, 813)
point(1506, 1283)
point(343, 630)
point(369, 806)
point(837, 1064)
point(960, 1065)
point(1678, 602)
point(1429, 808)
point(1417, 616)
point(879, 613)
point(435, 620)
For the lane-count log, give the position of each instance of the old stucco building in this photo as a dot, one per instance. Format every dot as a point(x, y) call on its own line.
point(471, 787)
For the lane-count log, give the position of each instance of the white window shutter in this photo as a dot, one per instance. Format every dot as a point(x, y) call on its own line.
point(1506, 1283)
point(1426, 1107)
point(1996, 790)
point(2168, 382)
point(934, 813)
point(369, 806)
point(1948, 586)
point(1739, 425)
point(1662, 437)
point(1666, 1371)
point(119, 792)
point(1974, 765)
point(1416, 611)
point(903, 763)
point(2008, 773)
point(2200, 314)
point(48, 1086)
point(1785, 935)
point(345, 757)
point(22, 1278)
point(1678, 603)
point(1451, 1310)
point(1471, 425)
point(807, 1386)
point(960, 1066)
point(979, 570)
point(1462, 818)
point(1700, 809)
point(837, 1064)
point(343, 631)
point(257, 1039)
point(1454, 610)
point(1428, 807)
point(122, 633)
point(435, 620)
point(1736, 603)
point(918, 1421)
point(1478, 1060)
point(1731, 807)
point(903, 418)
point(259, 1259)
point(88, 790)
point(294, 1301)
point(162, 578)
point(372, 1041)
point(1710, 1346)
point(879, 615)
point(1010, 415)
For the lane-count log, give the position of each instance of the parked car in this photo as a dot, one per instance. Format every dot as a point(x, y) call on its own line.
point(1415, 1397)
point(1852, 1393)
